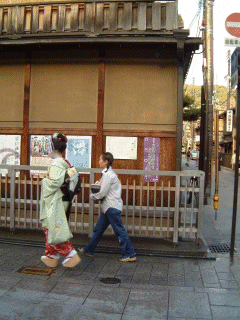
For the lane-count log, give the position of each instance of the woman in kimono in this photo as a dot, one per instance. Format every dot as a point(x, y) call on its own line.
point(53, 209)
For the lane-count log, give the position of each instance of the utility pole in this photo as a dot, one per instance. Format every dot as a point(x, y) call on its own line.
point(208, 91)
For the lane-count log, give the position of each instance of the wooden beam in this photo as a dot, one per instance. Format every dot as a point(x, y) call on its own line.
point(25, 143)
point(100, 111)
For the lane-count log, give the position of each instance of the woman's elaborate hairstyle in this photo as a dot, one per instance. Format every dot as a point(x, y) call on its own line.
point(59, 142)
point(107, 156)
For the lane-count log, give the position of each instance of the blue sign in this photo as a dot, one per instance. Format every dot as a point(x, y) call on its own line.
point(78, 151)
point(234, 68)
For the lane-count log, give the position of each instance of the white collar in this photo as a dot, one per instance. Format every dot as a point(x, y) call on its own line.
point(106, 169)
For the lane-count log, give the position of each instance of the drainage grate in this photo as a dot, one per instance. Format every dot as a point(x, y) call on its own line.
point(110, 280)
point(36, 271)
point(221, 248)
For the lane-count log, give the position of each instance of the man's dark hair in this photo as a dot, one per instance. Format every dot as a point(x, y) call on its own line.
point(107, 156)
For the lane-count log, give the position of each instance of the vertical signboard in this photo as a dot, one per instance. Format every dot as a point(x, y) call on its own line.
point(151, 158)
point(229, 124)
point(234, 68)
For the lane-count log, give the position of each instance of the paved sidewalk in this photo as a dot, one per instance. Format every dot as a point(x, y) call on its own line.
point(151, 288)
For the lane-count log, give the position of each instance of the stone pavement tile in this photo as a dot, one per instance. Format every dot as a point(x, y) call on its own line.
point(206, 264)
point(225, 313)
point(173, 318)
point(88, 276)
point(216, 290)
point(141, 280)
point(144, 286)
point(228, 284)
point(194, 283)
point(189, 304)
point(109, 293)
point(158, 282)
point(225, 299)
point(107, 299)
point(125, 278)
point(25, 295)
point(225, 276)
point(106, 275)
point(143, 310)
point(151, 296)
point(102, 306)
point(7, 282)
point(96, 265)
point(211, 285)
point(127, 268)
point(175, 283)
point(89, 314)
point(15, 308)
point(31, 284)
point(75, 290)
point(62, 307)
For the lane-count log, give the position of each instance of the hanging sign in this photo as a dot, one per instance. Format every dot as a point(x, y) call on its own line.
point(229, 120)
point(151, 158)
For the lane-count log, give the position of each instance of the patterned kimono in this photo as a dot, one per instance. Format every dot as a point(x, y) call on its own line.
point(52, 210)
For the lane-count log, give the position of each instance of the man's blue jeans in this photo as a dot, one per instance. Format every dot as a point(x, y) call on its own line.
point(113, 217)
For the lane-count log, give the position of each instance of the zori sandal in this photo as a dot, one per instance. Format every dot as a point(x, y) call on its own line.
point(50, 262)
point(70, 262)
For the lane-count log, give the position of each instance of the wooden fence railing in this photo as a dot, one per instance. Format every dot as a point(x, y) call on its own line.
point(168, 208)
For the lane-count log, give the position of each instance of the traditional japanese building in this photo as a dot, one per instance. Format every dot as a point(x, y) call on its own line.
point(95, 68)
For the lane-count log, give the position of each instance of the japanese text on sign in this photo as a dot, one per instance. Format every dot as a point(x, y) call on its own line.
point(151, 158)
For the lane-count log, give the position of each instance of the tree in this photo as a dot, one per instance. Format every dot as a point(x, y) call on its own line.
point(190, 111)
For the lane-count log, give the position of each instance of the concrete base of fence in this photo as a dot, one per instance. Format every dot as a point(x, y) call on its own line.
point(109, 243)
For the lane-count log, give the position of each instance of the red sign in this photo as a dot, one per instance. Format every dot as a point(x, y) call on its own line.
point(232, 24)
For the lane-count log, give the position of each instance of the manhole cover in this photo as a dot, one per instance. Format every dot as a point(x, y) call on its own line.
point(221, 248)
point(36, 271)
point(110, 280)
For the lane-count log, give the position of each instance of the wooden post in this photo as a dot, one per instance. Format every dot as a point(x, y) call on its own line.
point(25, 143)
point(100, 112)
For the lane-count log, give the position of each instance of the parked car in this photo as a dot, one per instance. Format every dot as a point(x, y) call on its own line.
point(194, 154)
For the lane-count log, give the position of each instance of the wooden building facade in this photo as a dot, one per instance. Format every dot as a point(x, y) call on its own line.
point(95, 68)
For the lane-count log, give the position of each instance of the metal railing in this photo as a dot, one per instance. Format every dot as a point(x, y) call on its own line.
point(169, 208)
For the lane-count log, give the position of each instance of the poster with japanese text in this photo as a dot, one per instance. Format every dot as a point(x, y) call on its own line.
point(122, 147)
point(9, 150)
point(151, 158)
point(78, 151)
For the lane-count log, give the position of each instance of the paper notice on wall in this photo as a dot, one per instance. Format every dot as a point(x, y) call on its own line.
point(122, 147)
point(9, 150)
point(151, 158)
point(79, 151)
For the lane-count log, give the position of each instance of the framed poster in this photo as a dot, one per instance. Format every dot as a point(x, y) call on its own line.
point(40, 147)
point(122, 147)
point(79, 151)
point(151, 158)
point(10, 146)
